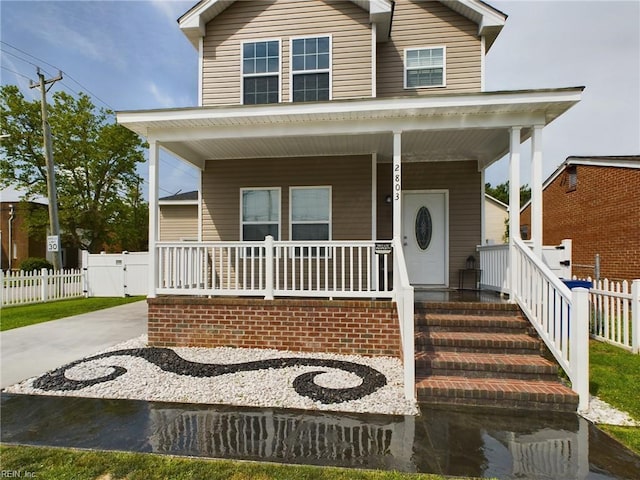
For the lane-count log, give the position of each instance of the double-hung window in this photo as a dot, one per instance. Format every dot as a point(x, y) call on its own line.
point(311, 68)
point(424, 67)
point(310, 215)
point(261, 72)
point(260, 213)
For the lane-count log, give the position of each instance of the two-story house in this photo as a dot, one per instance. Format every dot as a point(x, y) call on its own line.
point(341, 147)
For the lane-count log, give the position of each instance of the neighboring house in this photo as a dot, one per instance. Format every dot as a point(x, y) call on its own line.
point(496, 215)
point(179, 217)
point(342, 147)
point(17, 244)
point(595, 202)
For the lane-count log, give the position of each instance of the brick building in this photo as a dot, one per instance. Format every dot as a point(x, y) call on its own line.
point(595, 201)
point(17, 244)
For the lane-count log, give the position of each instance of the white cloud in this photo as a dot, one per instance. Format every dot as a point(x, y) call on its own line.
point(161, 98)
point(171, 9)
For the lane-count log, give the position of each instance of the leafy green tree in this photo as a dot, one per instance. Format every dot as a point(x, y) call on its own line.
point(95, 159)
point(501, 192)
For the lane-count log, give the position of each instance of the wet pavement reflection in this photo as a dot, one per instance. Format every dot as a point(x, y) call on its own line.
point(532, 446)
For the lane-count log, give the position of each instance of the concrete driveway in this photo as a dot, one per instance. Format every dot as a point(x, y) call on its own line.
point(29, 351)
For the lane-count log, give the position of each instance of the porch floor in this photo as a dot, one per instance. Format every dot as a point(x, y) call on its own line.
point(422, 295)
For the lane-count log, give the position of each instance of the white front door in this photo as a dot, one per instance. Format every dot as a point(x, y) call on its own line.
point(425, 236)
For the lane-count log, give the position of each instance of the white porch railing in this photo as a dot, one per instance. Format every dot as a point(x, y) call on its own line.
point(21, 288)
point(494, 262)
point(275, 268)
point(559, 315)
point(403, 296)
point(615, 313)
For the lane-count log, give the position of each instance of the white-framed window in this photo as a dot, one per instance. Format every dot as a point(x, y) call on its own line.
point(425, 67)
point(259, 213)
point(310, 213)
point(261, 72)
point(311, 69)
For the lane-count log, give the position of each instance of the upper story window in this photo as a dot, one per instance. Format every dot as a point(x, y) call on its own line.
point(260, 213)
point(261, 72)
point(311, 68)
point(424, 67)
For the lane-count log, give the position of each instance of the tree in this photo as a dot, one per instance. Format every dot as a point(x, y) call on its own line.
point(501, 192)
point(95, 160)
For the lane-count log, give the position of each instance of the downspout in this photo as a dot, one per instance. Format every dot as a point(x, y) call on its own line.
point(11, 217)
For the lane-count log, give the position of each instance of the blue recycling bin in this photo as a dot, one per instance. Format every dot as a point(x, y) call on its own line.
point(578, 283)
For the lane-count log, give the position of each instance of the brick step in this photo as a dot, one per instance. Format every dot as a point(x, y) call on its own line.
point(482, 365)
point(442, 322)
point(505, 343)
point(468, 308)
point(496, 393)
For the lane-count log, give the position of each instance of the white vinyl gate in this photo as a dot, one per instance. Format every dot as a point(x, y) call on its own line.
point(116, 274)
point(558, 258)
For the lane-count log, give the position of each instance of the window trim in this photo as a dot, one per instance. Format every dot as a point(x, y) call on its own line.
point(243, 223)
point(255, 75)
point(405, 69)
point(302, 72)
point(329, 221)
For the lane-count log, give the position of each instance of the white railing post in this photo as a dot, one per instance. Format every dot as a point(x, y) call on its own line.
point(2, 287)
point(579, 345)
point(44, 284)
point(268, 268)
point(635, 316)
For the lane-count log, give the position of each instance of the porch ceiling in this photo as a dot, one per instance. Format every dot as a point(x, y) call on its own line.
point(445, 127)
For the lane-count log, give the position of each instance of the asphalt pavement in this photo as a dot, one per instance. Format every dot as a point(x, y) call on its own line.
point(30, 351)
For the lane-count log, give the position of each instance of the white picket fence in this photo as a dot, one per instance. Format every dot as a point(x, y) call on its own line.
point(21, 288)
point(615, 313)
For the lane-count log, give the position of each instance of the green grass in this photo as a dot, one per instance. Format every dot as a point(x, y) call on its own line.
point(23, 315)
point(614, 378)
point(67, 464)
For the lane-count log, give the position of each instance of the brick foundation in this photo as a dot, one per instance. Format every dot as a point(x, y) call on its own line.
point(336, 326)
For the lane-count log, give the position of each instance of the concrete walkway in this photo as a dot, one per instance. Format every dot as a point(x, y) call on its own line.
point(30, 351)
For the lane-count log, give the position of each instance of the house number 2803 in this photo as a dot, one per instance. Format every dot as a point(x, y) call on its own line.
point(397, 184)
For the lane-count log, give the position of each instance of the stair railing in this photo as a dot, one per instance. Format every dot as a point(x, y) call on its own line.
point(403, 297)
point(559, 315)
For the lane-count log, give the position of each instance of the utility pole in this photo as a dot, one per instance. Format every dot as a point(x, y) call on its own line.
point(51, 174)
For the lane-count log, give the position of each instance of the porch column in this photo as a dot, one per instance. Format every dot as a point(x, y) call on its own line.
point(514, 204)
point(153, 216)
point(397, 185)
point(536, 190)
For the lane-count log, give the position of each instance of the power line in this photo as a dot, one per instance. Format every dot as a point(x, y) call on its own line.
point(67, 75)
point(14, 72)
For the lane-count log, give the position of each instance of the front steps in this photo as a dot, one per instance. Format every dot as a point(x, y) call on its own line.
point(484, 355)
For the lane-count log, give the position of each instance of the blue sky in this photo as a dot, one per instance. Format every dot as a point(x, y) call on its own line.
point(131, 55)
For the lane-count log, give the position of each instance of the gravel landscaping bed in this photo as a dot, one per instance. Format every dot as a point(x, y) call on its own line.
point(233, 376)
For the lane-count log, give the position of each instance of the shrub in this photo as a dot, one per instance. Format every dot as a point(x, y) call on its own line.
point(33, 263)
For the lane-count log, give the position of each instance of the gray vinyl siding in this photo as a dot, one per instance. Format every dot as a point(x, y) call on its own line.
point(419, 24)
point(178, 222)
point(347, 24)
point(463, 182)
point(349, 177)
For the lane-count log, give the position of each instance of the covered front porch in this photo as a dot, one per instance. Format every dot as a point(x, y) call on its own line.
point(389, 196)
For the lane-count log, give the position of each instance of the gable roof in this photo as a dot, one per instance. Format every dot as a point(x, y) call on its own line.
point(184, 197)
point(615, 161)
point(490, 20)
